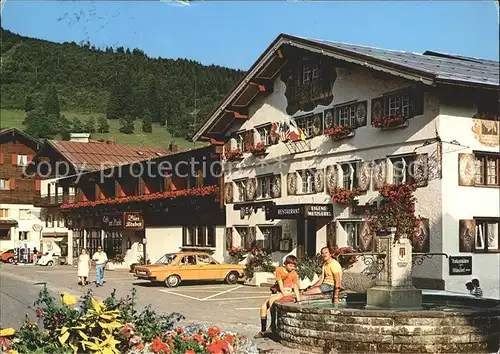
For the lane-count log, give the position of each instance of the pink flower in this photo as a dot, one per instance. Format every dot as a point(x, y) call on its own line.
point(128, 330)
point(134, 340)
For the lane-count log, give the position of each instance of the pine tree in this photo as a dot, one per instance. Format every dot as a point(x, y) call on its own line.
point(147, 127)
point(90, 125)
point(64, 128)
point(29, 105)
point(103, 125)
point(127, 125)
point(77, 126)
point(51, 102)
point(40, 125)
point(114, 110)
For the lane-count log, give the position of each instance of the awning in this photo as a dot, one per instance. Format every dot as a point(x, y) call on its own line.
point(55, 234)
point(7, 223)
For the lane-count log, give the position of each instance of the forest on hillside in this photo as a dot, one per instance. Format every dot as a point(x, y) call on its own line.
point(120, 83)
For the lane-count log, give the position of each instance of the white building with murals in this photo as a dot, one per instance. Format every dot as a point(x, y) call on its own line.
point(429, 118)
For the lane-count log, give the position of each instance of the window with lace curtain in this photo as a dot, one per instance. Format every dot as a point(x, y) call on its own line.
point(352, 230)
point(486, 235)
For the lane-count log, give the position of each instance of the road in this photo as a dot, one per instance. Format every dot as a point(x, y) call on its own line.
point(230, 307)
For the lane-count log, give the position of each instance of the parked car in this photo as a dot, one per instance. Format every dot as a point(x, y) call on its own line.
point(8, 256)
point(48, 259)
point(173, 268)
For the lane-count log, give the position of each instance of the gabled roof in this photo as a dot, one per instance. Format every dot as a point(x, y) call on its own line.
point(94, 156)
point(430, 68)
point(28, 139)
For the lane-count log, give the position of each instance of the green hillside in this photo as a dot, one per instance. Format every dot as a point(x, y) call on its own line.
point(118, 83)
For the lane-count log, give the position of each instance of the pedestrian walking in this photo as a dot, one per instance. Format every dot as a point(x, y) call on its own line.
point(84, 266)
point(100, 258)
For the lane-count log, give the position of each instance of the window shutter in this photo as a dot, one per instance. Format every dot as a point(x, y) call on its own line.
point(228, 192)
point(467, 235)
point(276, 186)
point(12, 183)
point(38, 185)
point(466, 169)
point(199, 179)
point(331, 235)
point(249, 139)
point(14, 159)
point(380, 173)
point(291, 183)
point(331, 178)
point(251, 189)
point(319, 180)
point(366, 237)
point(227, 146)
point(30, 158)
point(377, 108)
point(252, 232)
point(1, 158)
point(417, 102)
point(229, 237)
point(184, 236)
point(364, 175)
point(421, 170)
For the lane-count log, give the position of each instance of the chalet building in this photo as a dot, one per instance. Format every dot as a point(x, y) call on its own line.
point(59, 159)
point(153, 206)
point(19, 220)
point(312, 119)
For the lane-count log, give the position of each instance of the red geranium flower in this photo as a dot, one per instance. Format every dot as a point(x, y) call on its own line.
point(213, 332)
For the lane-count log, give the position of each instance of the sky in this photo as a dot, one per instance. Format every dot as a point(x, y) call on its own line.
point(235, 33)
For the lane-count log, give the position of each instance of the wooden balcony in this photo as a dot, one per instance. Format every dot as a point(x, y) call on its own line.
point(53, 200)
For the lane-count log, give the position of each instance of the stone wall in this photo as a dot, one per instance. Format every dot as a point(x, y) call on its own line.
point(329, 330)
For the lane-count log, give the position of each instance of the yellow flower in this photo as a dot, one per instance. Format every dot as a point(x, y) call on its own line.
point(11, 351)
point(7, 332)
point(68, 299)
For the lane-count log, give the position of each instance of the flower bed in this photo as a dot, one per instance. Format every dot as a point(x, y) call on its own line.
point(233, 155)
point(199, 192)
point(345, 196)
point(259, 261)
point(385, 122)
point(258, 149)
point(237, 253)
point(339, 132)
point(114, 327)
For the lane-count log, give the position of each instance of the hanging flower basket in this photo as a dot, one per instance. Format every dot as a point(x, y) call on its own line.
point(257, 149)
point(345, 261)
point(233, 155)
point(390, 122)
point(345, 196)
point(339, 132)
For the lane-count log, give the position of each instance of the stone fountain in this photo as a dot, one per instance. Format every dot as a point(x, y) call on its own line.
point(393, 316)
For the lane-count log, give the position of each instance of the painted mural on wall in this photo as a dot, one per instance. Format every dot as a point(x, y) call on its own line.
point(421, 239)
point(486, 131)
point(309, 82)
point(466, 169)
point(467, 230)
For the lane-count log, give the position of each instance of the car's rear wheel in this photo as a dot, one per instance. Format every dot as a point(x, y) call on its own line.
point(10, 260)
point(173, 281)
point(50, 263)
point(232, 278)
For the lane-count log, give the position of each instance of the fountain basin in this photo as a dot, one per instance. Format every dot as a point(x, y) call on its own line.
point(446, 324)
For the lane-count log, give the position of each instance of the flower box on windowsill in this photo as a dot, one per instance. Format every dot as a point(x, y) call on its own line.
point(390, 122)
point(404, 124)
point(347, 136)
point(340, 132)
point(259, 152)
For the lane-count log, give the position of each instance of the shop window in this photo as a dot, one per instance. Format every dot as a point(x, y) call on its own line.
point(264, 187)
point(4, 184)
point(403, 169)
point(272, 237)
point(211, 236)
point(199, 235)
point(4, 234)
point(24, 235)
point(113, 244)
point(487, 169)
point(353, 232)
point(487, 235)
point(244, 233)
point(349, 175)
point(4, 213)
point(307, 181)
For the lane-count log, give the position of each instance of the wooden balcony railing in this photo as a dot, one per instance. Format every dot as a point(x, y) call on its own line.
point(53, 200)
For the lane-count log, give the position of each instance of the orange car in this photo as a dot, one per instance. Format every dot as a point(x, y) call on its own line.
point(8, 256)
point(172, 268)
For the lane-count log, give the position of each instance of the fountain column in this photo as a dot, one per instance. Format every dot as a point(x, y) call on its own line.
point(394, 288)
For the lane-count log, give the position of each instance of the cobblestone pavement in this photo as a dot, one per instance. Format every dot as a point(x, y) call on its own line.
point(230, 307)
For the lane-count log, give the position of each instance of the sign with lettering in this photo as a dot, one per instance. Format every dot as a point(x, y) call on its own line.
point(112, 221)
point(319, 211)
point(460, 265)
point(299, 211)
point(133, 221)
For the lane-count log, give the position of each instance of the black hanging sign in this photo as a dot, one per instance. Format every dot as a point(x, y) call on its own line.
point(460, 265)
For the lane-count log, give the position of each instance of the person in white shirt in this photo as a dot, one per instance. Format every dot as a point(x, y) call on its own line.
point(100, 258)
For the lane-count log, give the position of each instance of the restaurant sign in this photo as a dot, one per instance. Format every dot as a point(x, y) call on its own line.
point(133, 221)
point(112, 221)
point(299, 211)
point(460, 265)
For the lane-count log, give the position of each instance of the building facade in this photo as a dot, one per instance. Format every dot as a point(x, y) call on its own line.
point(19, 220)
point(315, 119)
point(152, 207)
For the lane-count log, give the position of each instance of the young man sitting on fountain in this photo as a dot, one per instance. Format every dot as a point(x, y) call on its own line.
point(287, 283)
point(330, 279)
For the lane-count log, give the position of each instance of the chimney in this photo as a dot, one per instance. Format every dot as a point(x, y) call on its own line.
point(80, 137)
point(173, 147)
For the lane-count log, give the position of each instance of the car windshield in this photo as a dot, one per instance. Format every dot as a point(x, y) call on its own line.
point(166, 259)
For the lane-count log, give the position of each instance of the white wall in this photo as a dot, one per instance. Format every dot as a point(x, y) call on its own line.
point(161, 240)
point(460, 202)
point(25, 224)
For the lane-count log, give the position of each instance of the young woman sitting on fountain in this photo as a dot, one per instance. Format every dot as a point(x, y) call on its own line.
point(330, 279)
point(478, 292)
point(287, 281)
